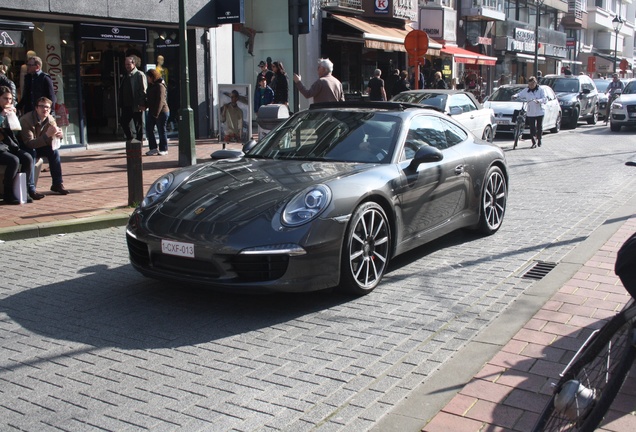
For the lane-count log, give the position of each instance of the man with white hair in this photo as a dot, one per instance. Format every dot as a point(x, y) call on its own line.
point(326, 88)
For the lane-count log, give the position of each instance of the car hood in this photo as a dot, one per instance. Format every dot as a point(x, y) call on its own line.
point(566, 96)
point(503, 107)
point(240, 190)
point(627, 98)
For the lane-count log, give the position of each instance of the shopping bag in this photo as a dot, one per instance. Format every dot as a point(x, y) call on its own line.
point(14, 122)
point(20, 187)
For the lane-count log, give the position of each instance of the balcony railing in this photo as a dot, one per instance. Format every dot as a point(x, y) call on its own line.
point(355, 5)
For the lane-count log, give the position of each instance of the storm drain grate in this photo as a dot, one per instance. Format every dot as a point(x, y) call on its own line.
point(539, 270)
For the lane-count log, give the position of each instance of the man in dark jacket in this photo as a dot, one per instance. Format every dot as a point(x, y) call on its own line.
point(37, 84)
point(132, 99)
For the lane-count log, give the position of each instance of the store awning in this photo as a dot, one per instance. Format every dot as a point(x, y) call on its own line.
point(376, 36)
point(527, 58)
point(464, 56)
point(16, 25)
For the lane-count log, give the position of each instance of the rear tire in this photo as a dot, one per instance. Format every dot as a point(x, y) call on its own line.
point(493, 201)
point(366, 250)
point(557, 125)
point(488, 134)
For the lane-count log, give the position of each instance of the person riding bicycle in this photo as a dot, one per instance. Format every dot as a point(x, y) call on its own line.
point(612, 90)
point(536, 98)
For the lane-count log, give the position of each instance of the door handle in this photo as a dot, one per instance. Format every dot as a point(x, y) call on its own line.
point(459, 169)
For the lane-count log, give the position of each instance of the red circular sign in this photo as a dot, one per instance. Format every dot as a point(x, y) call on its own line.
point(416, 43)
point(624, 64)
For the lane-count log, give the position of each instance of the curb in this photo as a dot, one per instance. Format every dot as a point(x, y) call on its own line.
point(63, 227)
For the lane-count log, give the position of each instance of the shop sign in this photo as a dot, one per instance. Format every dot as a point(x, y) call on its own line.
point(113, 33)
point(484, 40)
point(403, 9)
point(10, 38)
point(555, 51)
point(438, 24)
point(524, 40)
point(570, 43)
point(230, 12)
point(381, 7)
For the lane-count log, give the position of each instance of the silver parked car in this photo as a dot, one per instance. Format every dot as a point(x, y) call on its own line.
point(503, 103)
point(462, 106)
point(623, 110)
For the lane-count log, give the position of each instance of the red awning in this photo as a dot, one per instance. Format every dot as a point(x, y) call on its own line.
point(461, 55)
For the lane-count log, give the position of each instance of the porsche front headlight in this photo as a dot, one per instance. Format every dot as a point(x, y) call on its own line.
point(157, 190)
point(306, 205)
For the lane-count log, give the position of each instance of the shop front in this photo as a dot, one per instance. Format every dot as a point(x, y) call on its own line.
point(358, 46)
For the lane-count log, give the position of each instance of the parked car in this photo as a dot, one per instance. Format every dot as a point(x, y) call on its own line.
point(601, 87)
point(623, 110)
point(326, 199)
point(578, 97)
point(462, 106)
point(503, 102)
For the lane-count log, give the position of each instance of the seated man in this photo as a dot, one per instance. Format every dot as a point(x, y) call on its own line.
point(12, 155)
point(38, 131)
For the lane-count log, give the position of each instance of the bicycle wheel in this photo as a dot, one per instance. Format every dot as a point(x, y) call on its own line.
point(589, 385)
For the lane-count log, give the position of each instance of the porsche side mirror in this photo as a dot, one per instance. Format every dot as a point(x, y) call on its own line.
point(426, 154)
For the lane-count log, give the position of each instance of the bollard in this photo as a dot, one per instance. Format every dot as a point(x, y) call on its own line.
point(135, 172)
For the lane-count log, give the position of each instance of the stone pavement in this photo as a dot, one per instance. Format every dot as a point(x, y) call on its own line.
point(508, 389)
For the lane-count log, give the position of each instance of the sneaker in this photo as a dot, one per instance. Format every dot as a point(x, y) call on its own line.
point(163, 153)
point(152, 152)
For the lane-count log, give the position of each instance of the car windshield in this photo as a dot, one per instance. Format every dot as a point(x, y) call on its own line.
point(562, 85)
point(630, 88)
point(329, 135)
point(437, 100)
point(505, 94)
point(601, 85)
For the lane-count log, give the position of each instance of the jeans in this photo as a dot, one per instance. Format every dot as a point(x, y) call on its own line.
point(536, 126)
point(55, 164)
point(128, 114)
point(161, 123)
point(24, 161)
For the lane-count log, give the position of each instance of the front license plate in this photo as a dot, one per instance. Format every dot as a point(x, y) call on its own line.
point(169, 247)
point(632, 114)
point(502, 122)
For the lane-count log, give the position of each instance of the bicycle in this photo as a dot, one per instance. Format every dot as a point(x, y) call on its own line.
point(590, 382)
point(519, 118)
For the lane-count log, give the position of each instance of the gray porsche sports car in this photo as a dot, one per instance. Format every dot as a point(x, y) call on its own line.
point(326, 199)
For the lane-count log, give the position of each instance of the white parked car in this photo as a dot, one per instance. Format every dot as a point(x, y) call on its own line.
point(503, 103)
point(623, 110)
point(460, 105)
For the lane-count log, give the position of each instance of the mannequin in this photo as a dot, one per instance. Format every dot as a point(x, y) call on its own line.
point(23, 70)
point(162, 70)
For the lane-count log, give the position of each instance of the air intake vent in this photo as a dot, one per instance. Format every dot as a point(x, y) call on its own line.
point(539, 270)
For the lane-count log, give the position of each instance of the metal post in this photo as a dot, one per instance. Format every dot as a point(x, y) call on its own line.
point(617, 23)
point(134, 170)
point(295, 62)
point(187, 153)
point(536, 35)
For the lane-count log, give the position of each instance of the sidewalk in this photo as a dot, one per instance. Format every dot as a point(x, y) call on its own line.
point(97, 180)
point(510, 391)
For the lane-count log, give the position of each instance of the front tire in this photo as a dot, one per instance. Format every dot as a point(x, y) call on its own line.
point(493, 201)
point(592, 120)
point(366, 250)
point(575, 118)
point(615, 127)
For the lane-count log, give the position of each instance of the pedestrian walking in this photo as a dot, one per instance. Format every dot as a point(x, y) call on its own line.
point(536, 99)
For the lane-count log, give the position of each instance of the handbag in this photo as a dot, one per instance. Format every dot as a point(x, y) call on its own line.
point(20, 188)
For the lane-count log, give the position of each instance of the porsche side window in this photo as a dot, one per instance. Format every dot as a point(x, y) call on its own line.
point(454, 134)
point(424, 130)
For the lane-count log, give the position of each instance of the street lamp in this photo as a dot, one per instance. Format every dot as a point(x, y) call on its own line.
point(617, 23)
point(536, 36)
